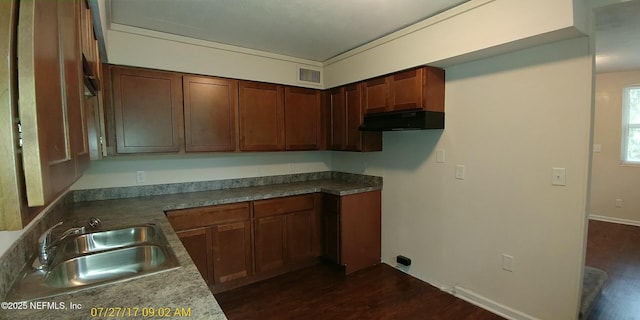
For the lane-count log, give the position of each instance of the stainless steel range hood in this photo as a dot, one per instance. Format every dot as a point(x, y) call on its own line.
point(403, 120)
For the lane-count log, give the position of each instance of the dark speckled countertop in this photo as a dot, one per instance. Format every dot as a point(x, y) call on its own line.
point(182, 288)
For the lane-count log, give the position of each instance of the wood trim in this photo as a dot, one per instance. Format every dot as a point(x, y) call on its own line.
point(32, 161)
point(10, 207)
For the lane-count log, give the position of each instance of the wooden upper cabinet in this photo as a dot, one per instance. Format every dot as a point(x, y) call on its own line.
point(302, 119)
point(346, 112)
point(338, 122)
point(420, 88)
point(210, 106)
point(261, 116)
point(148, 110)
point(376, 94)
point(74, 85)
point(353, 106)
point(50, 99)
point(433, 82)
point(88, 40)
point(405, 90)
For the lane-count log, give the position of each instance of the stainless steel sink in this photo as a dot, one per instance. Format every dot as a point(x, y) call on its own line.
point(95, 259)
point(111, 239)
point(105, 266)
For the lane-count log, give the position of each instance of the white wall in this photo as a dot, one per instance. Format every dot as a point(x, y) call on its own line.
point(509, 119)
point(144, 48)
point(610, 180)
point(121, 171)
point(476, 29)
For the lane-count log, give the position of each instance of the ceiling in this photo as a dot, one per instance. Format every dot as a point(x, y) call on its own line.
point(618, 37)
point(313, 30)
point(320, 30)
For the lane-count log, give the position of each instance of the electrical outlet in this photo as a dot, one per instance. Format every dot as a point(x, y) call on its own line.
point(140, 176)
point(507, 262)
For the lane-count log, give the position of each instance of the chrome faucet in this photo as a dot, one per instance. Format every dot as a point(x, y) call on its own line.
point(46, 245)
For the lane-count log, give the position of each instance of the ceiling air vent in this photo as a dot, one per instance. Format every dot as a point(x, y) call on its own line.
point(309, 76)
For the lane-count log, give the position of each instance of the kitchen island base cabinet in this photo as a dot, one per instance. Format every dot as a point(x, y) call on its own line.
point(351, 230)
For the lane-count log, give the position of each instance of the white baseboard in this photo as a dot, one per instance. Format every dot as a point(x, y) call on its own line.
point(614, 220)
point(488, 304)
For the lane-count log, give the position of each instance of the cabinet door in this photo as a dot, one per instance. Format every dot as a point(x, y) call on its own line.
point(231, 251)
point(47, 159)
point(196, 242)
point(74, 85)
point(210, 106)
point(360, 229)
point(302, 118)
point(405, 90)
point(270, 251)
point(338, 116)
point(354, 118)
point(301, 235)
point(89, 49)
point(261, 116)
point(375, 95)
point(148, 110)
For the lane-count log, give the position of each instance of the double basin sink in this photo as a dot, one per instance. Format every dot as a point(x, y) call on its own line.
point(97, 258)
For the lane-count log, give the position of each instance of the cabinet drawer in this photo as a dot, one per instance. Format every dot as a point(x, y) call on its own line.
point(276, 206)
point(206, 216)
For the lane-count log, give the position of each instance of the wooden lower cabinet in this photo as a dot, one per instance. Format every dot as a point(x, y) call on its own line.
point(270, 243)
point(231, 251)
point(301, 235)
point(195, 241)
point(351, 230)
point(286, 232)
point(218, 239)
point(237, 244)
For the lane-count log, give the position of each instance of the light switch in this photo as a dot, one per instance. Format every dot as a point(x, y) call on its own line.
point(507, 262)
point(559, 177)
point(440, 156)
point(597, 148)
point(460, 172)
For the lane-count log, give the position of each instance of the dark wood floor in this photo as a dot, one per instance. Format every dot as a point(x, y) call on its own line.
point(615, 248)
point(320, 292)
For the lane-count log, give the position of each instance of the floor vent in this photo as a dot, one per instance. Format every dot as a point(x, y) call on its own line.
point(309, 76)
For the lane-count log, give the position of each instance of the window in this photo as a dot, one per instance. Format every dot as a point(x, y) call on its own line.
point(631, 125)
